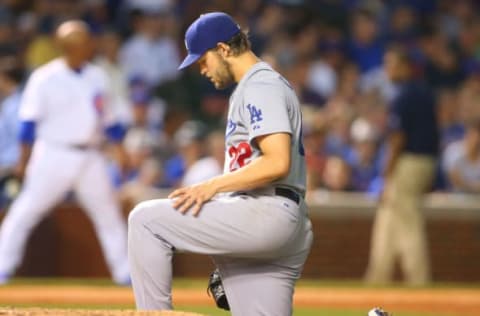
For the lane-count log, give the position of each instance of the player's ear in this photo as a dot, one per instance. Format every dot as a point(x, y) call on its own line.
point(223, 49)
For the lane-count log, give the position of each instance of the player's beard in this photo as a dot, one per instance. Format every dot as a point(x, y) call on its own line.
point(223, 74)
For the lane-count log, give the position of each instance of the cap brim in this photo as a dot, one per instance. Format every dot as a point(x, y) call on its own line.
point(190, 59)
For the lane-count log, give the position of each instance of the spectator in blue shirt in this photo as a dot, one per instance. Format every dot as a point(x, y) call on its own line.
point(11, 75)
point(413, 142)
point(363, 158)
point(365, 47)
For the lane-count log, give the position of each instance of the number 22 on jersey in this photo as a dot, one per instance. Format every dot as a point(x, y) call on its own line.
point(239, 155)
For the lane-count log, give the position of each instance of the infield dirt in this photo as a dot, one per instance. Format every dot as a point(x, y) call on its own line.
point(465, 302)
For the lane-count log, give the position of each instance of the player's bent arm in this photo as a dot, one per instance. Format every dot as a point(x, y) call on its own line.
point(273, 164)
point(396, 143)
point(25, 152)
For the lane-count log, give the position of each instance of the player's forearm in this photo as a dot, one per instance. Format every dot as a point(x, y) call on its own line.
point(25, 152)
point(258, 173)
point(390, 164)
point(395, 146)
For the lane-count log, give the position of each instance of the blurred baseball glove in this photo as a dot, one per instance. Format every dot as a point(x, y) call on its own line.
point(215, 287)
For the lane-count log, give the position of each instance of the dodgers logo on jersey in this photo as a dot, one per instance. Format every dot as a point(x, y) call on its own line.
point(255, 115)
point(99, 103)
point(231, 127)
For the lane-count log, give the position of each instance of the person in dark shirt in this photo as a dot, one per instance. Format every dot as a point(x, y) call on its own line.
point(413, 144)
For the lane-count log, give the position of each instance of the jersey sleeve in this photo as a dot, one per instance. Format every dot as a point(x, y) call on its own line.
point(265, 109)
point(32, 106)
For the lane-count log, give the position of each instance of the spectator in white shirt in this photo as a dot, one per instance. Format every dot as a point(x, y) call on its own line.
point(210, 165)
point(108, 60)
point(11, 75)
point(461, 160)
point(150, 53)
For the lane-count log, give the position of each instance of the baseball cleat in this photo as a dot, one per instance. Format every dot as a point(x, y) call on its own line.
point(377, 311)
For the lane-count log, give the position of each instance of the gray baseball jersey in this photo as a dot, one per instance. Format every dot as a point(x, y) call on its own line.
point(264, 103)
point(259, 241)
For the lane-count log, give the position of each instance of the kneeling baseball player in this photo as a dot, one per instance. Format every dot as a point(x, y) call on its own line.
point(252, 220)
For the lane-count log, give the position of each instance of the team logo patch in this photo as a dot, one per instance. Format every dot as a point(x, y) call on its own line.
point(255, 116)
point(231, 127)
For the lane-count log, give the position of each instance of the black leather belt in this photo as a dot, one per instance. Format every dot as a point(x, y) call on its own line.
point(283, 192)
point(289, 194)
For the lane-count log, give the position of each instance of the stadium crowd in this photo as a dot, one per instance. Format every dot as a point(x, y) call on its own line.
point(331, 51)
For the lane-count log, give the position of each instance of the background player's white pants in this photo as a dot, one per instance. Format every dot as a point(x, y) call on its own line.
point(260, 245)
point(51, 173)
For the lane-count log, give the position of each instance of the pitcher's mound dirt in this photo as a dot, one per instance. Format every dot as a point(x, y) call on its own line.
point(80, 312)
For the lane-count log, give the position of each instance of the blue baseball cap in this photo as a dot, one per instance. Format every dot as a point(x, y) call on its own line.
point(204, 34)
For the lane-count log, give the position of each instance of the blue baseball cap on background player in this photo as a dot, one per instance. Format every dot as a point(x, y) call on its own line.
point(204, 34)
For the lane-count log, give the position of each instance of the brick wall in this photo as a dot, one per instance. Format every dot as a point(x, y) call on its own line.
point(64, 244)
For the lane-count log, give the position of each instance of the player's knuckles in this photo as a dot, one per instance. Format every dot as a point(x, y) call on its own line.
point(175, 193)
point(184, 207)
point(179, 202)
point(175, 203)
point(196, 211)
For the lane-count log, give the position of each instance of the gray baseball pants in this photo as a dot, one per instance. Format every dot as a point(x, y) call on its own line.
point(259, 244)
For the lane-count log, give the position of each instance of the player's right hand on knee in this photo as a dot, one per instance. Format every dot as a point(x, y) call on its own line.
point(192, 197)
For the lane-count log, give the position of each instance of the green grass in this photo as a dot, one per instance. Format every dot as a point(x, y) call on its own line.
point(212, 311)
point(304, 312)
point(41, 281)
point(358, 284)
point(200, 283)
